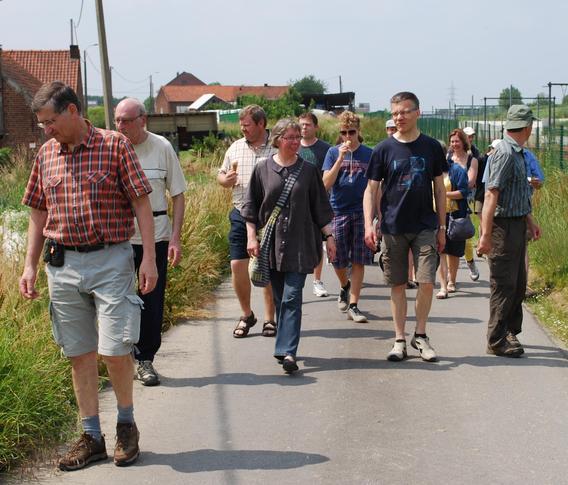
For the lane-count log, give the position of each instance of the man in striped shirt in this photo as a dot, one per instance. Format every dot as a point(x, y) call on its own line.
point(234, 174)
point(85, 187)
point(506, 217)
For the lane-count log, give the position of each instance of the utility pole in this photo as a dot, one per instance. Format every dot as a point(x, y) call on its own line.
point(151, 110)
point(105, 69)
point(340, 84)
point(86, 106)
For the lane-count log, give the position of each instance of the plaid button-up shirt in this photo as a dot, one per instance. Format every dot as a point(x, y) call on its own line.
point(86, 192)
point(242, 152)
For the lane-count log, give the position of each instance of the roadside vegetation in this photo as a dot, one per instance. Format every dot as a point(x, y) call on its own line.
point(549, 256)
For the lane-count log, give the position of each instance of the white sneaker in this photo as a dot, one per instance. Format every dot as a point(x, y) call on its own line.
point(398, 351)
point(319, 289)
point(422, 344)
point(473, 271)
point(353, 313)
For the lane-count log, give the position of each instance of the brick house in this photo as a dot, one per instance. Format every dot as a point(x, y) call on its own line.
point(21, 74)
point(176, 98)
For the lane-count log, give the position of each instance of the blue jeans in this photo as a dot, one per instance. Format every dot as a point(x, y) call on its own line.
point(287, 289)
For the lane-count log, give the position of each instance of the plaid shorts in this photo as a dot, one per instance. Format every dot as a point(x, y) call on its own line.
point(349, 232)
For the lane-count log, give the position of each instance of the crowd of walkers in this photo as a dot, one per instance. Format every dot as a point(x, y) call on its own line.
point(99, 217)
point(409, 199)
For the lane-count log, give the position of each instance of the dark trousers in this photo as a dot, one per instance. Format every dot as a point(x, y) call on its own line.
point(153, 312)
point(508, 278)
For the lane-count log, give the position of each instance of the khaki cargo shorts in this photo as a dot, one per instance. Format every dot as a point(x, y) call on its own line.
point(395, 247)
point(94, 305)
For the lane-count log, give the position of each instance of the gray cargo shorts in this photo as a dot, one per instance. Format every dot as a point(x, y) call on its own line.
point(93, 302)
point(395, 249)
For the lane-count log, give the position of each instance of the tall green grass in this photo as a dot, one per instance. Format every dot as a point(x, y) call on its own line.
point(36, 400)
point(550, 209)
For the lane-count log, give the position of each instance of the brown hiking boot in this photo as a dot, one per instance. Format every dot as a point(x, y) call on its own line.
point(126, 450)
point(84, 451)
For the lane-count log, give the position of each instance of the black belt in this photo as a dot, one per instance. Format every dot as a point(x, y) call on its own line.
point(88, 249)
point(159, 213)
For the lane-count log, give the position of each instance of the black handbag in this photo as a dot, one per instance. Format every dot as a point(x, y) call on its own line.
point(460, 228)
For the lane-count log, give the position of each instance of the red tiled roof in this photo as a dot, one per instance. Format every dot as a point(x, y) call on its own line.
point(186, 79)
point(21, 81)
point(183, 94)
point(46, 66)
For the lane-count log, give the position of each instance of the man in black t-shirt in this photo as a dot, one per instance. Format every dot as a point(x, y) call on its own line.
point(313, 150)
point(407, 164)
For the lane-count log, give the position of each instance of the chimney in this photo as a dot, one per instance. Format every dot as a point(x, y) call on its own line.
point(74, 52)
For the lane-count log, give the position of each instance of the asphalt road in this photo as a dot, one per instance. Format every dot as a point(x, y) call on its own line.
point(226, 414)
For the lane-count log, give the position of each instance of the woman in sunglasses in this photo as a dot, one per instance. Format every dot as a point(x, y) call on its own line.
point(344, 169)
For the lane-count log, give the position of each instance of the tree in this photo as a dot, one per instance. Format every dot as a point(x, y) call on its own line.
point(565, 100)
point(149, 104)
point(309, 85)
point(214, 83)
point(510, 95)
point(287, 105)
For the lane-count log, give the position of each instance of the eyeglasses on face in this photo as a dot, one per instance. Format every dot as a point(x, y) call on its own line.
point(292, 138)
point(403, 112)
point(347, 132)
point(48, 123)
point(125, 120)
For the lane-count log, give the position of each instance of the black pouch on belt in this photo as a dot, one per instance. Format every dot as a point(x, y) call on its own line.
point(54, 253)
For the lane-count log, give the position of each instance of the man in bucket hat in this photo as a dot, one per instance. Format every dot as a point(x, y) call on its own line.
point(506, 217)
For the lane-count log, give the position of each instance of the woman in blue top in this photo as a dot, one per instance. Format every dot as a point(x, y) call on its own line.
point(456, 182)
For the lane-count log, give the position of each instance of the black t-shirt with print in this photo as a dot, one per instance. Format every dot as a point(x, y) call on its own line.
point(407, 171)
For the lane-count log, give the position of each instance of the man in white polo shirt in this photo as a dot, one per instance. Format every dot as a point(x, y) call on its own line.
point(163, 170)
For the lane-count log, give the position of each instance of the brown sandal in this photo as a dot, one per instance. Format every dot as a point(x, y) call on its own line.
point(269, 328)
point(241, 331)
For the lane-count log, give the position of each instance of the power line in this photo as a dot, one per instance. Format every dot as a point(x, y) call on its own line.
point(145, 80)
point(80, 15)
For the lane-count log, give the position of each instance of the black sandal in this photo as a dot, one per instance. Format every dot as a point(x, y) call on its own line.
point(289, 364)
point(269, 328)
point(242, 331)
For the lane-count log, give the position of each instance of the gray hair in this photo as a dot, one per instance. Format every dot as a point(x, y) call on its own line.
point(280, 128)
point(139, 104)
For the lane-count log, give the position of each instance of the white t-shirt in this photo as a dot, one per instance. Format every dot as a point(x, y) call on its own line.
point(163, 170)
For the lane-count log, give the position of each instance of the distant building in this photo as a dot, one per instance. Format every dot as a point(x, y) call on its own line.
point(185, 89)
point(22, 73)
point(363, 107)
point(335, 102)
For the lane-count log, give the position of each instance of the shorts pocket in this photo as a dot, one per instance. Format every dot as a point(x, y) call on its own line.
point(131, 331)
point(55, 326)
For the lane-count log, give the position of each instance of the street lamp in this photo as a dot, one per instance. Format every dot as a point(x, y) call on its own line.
point(85, 74)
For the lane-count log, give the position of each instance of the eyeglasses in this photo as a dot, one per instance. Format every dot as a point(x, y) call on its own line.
point(403, 112)
point(292, 138)
point(347, 132)
point(126, 120)
point(47, 123)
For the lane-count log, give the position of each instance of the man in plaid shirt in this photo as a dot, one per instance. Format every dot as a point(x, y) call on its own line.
point(240, 159)
point(85, 187)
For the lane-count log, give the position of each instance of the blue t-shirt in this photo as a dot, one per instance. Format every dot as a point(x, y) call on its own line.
point(407, 171)
point(349, 187)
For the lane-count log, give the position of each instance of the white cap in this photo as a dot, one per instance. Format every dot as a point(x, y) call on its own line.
point(494, 143)
point(468, 130)
point(390, 124)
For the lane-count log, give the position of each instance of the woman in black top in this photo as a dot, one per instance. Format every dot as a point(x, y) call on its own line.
point(295, 247)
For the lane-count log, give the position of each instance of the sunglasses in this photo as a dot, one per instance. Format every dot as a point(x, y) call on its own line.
point(347, 132)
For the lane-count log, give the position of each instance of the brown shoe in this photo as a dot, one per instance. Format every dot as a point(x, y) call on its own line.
point(84, 451)
point(126, 450)
point(506, 349)
point(513, 341)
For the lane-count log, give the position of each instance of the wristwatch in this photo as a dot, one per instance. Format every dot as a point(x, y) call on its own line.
point(327, 236)
point(441, 228)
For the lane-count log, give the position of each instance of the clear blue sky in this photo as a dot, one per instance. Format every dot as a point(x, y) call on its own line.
point(377, 47)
